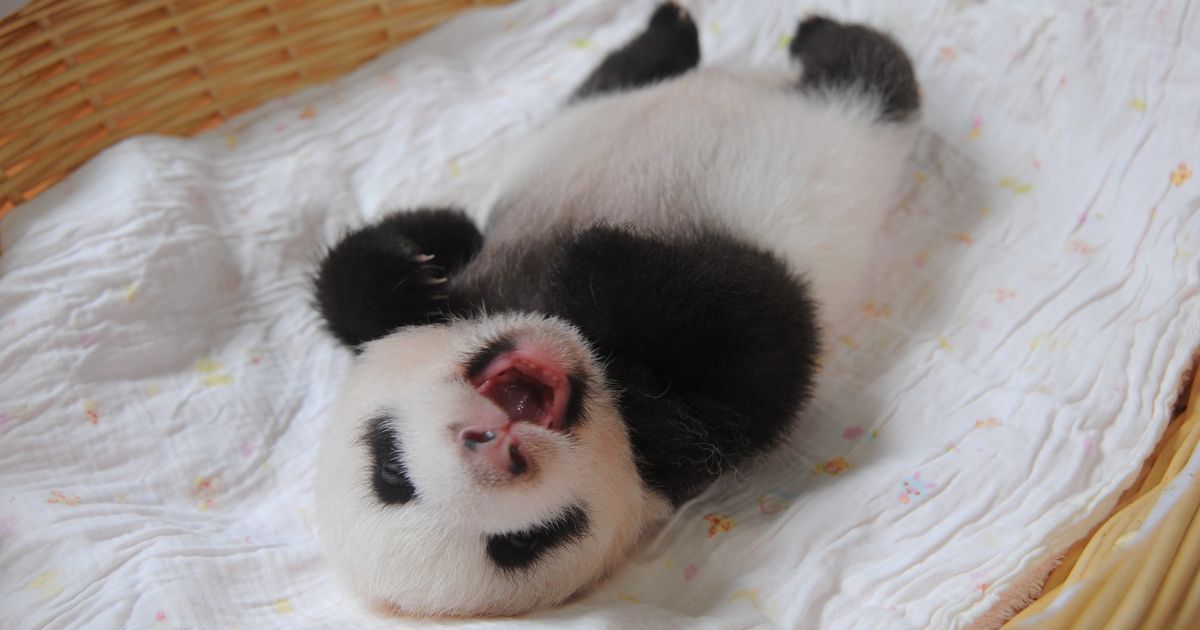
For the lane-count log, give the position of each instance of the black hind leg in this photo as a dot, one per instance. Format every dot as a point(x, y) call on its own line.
point(398, 272)
point(669, 46)
point(839, 56)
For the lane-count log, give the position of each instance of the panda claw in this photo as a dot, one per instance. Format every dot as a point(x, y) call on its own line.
point(436, 281)
point(423, 258)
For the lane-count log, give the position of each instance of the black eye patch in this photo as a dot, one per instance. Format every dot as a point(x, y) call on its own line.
point(519, 550)
point(389, 476)
point(484, 357)
point(575, 401)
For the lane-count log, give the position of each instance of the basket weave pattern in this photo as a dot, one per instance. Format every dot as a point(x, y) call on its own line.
point(77, 76)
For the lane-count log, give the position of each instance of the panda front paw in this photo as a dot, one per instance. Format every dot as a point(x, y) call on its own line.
point(433, 278)
point(374, 282)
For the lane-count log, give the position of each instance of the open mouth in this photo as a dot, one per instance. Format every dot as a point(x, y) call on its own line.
point(528, 386)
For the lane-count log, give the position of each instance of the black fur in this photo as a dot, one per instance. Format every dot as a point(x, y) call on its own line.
point(380, 278)
point(574, 411)
point(839, 56)
point(488, 353)
point(518, 550)
point(668, 47)
point(389, 474)
point(710, 341)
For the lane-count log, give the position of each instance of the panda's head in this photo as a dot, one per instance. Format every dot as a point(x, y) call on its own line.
point(479, 466)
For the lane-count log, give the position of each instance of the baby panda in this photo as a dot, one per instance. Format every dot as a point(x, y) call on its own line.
point(640, 314)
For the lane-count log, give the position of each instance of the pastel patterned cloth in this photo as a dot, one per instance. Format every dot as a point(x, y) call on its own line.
point(164, 380)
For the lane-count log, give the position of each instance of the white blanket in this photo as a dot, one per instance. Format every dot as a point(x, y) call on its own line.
point(164, 379)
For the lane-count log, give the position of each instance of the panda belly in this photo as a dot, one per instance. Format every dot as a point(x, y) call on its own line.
point(809, 178)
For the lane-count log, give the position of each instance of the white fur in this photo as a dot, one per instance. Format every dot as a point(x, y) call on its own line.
point(809, 177)
point(428, 556)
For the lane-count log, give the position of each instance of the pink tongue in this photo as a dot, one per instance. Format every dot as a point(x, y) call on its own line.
point(519, 401)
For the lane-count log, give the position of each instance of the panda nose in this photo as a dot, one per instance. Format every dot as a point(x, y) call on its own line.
point(495, 449)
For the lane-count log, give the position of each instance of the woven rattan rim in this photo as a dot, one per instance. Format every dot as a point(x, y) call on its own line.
point(79, 75)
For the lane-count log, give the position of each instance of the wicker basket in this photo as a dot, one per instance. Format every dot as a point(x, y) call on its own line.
point(78, 76)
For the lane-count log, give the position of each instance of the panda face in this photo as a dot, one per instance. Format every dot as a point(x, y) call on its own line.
point(479, 467)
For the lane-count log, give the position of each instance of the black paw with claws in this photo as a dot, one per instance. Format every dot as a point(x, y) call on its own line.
point(393, 274)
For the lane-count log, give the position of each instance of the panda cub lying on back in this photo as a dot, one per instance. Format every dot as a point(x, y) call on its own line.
point(640, 315)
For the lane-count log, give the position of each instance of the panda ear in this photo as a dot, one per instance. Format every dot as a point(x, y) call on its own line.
point(394, 273)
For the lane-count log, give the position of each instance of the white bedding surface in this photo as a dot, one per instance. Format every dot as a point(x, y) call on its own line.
point(164, 380)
